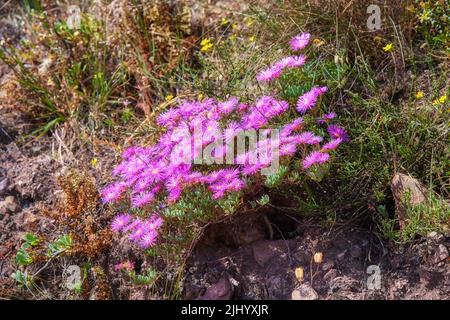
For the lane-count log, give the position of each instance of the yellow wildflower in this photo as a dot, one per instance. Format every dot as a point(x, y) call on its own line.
point(318, 257)
point(419, 95)
point(168, 97)
point(389, 47)
point(248, 21)
point(318, 42)
point(200, 96)
point(299, 273)
point(442, 99)
point(206, 45)
point(252, 39)
point(94, 162)
point(223, 21)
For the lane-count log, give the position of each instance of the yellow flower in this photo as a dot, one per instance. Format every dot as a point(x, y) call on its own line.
point(419, 95)
point(223, 21)
point(233, 37)
point(248, 21)
point(206, 45)
point(234, 26)
point(94, 162)
point(318, 42)
point(442, 99)
point(251, 39)
point(168, 97)
point(424, 16)
point(200, 96)
point(318, 257)
point(436, 102)
point(389, 47)
point(299, 273)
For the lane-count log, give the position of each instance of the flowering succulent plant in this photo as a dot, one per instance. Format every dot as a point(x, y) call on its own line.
point(156, 176)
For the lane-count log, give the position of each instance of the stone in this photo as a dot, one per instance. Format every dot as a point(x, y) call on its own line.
point(341, 256)
point(9, 205)
point(304, 292)
point(221, 290)
point(3, 186)
point(401, 186)
point(263, 251)
point(442, 253)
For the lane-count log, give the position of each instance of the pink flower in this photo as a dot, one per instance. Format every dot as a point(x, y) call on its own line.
point(332, 145)
point(142, 199)
point(314, 158)
point(228, 106)
point(326, 117)
point(309, 138)
point(249, 170)
point(338, 132)
point(297, 61)
point(113, 192)
point(147, 240)
point(268, 74)
point(288, 149)
point(309, 99)
point(299, 41)
point(126, 265)
point(120, 222)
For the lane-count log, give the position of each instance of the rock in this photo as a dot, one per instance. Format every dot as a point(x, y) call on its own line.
point(434, 236)
point(442, 253)
point(402, 186)
point(3, 186)
point(263, 251)
point(221, 290)
point(330, 275)
point(276, 287)
point(341, 256)
point(9, 205)
point(305, 292)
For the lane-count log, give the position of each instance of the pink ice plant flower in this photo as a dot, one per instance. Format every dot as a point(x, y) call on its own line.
point(142, 232)
point(315, 157)
point(309, 99)
point(300, 41)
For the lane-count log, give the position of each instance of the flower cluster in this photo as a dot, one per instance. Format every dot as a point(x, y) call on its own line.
point(142, 232)
point(157, 175)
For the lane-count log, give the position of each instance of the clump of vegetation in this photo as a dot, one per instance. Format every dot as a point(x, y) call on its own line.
point(85, 65)
point(80, 233)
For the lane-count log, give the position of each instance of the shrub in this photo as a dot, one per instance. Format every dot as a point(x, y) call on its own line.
point(165, 182)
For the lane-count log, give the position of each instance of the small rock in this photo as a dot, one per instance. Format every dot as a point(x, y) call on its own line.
point(9, 205)
point(341, 256)
point(401, 186)
point(263, 251)
point(3, 186)
point(221, 290)
point(305, 292)
point(330, 275)
point(442, 252)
